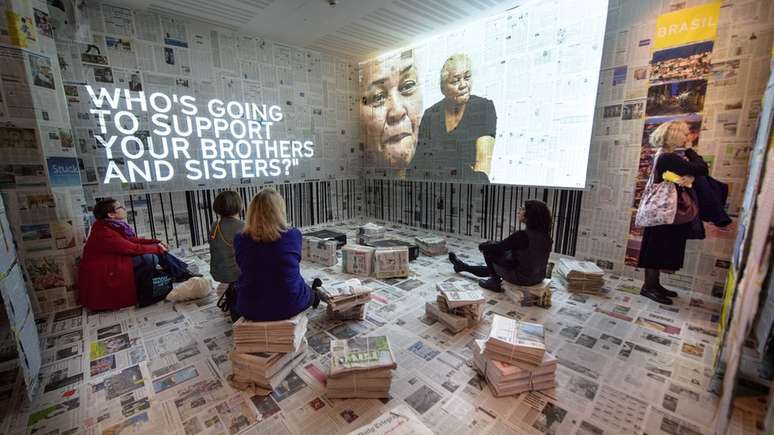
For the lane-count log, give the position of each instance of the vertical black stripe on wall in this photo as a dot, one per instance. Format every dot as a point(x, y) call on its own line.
point(151, 221)
point(131, 209)
point(164, 220)
point(174, 222)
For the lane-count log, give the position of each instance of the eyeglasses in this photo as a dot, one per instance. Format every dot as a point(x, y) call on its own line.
point(120, 207)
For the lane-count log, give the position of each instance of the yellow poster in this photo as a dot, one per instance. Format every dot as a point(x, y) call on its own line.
point(686, 26)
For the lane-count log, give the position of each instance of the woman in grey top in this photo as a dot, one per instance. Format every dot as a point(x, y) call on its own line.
point(223, 266)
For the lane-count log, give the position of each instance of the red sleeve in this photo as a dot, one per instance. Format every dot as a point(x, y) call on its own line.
point(113, 243)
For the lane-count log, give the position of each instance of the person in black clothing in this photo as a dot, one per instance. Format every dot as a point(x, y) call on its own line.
point(521, 258)
point(461, 128)
point(663, 246)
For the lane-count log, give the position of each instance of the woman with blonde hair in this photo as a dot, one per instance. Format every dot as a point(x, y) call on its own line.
point(663, 246)
point(268, 253)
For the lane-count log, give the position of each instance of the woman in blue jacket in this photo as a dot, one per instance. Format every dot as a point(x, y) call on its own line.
point(268, 253)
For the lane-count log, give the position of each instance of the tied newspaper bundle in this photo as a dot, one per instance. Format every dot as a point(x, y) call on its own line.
point(512, 341)
point(391, 262)
point(431, 245)
point(318, 250)
point(361, 367)
point(280, 336)
point(534, 295)
point(515, 378)
point(265, 352)
point(261, 372)
point(456, 306)
point(581, 276)
point(346, 300)
point(357, 259)
point(369, 232)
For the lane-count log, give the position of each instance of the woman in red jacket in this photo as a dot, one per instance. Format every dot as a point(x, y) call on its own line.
point(111, 253)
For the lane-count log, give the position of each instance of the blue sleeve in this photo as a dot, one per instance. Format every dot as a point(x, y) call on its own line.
point(294, 243)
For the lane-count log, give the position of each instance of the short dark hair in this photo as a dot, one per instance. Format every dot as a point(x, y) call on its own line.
point(538, 216)
point(103, 207)
point(227, 203)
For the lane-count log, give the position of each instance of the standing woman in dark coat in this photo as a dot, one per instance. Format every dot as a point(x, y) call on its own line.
point(663, 246)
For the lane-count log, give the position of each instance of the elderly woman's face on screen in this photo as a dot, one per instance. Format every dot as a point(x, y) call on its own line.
point(457, 84)
point(391, 108)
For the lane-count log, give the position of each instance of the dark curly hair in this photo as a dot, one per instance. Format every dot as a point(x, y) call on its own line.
point(538, 216)
point(103, 207)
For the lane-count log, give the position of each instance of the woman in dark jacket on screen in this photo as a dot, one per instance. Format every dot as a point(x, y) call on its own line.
point(268, 254)
point(663, 246)
point(521, 258)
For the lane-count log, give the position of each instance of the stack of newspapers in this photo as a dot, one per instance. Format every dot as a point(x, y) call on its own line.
point(357, 259)
point(431, 245)
point(346, 300)
point(391, 262)
point(265, 352)
point(360, 367)
point(509, 379)
point(512, 341)
point(262, 372)
point(279, 336)
point(534, 295)
point(456, 306)
point(580, 276)
point(318, 250)
point(369, 232)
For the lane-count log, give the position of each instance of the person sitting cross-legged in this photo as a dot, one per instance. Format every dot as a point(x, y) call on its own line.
point(521, 258)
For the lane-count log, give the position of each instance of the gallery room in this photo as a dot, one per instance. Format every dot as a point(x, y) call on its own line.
point(386, 217)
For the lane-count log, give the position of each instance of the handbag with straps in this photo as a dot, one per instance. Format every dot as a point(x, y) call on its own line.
point(658, 204)
point(217, 232)
point(687, 209)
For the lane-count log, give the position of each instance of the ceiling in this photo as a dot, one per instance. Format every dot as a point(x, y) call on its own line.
point(357, 28)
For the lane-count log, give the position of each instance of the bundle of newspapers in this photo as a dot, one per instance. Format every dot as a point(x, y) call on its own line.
point(534, 295)
point(369, 232)
point(262, 372)
point(360, 367)
point(512, 341)
point(431, 245)
point(580, 276)
point(508, 379)
point(346, 300)
point(456, 306)
point(278, 336)
point(318, 250)
point(391, 262)
point(357, 259)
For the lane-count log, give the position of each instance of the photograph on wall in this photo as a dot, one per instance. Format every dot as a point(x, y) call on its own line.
point(461, 107)
point(676, 97)
point(687, 62)
point(42, 74)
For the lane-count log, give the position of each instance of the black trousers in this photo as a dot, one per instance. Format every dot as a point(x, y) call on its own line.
point(500, 265)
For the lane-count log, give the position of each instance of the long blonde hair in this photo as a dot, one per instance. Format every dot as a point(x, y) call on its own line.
point(670, 135)
point(266, 216)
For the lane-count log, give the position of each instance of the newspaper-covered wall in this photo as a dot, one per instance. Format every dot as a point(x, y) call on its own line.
point(40, 174)
point(143, 53)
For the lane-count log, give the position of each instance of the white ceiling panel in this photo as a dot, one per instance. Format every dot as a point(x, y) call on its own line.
point(355, 28)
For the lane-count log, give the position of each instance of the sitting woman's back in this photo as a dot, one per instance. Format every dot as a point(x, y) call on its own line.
point(268, 254)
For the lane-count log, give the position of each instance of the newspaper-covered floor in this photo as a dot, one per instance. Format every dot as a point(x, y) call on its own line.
point(626, 365)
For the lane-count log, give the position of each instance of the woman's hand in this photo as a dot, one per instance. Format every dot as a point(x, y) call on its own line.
point(164, 248)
